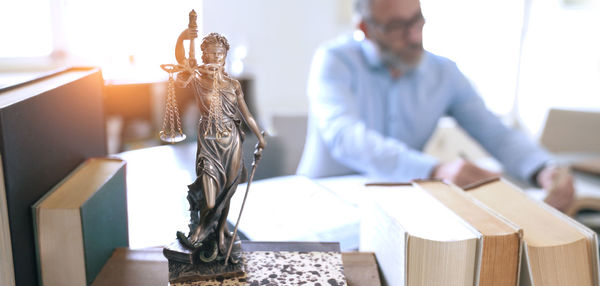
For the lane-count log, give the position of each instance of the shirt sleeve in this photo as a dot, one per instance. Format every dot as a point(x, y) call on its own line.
point(517, 153)
point(334, 108)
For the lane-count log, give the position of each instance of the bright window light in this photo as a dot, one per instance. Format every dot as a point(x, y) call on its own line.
point(483, 38)
point(25, 29)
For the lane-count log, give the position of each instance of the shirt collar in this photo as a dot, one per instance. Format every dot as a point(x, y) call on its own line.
point(372, 55)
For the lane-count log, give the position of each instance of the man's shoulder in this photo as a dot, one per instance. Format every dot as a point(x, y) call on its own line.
point(344, 44)
point(438, 61)
point(437, 64)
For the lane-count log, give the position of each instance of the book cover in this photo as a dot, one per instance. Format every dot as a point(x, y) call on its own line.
point(48, 126)
point(80, 222)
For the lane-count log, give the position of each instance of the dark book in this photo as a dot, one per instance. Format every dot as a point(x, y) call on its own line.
point(80, 222)
point(48, 126)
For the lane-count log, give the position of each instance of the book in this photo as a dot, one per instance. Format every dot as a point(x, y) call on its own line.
point(48, 126)
point(416, 239)
point(7, 273)
point(501, 240)
point(571, 130)
point(557, 249)
point(591, 166)
point(80, 222)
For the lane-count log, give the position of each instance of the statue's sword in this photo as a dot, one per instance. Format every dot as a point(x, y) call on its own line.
point(257, 156)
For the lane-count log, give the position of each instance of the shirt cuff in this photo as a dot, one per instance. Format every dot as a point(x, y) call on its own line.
point(420, 167)
point(533, 165)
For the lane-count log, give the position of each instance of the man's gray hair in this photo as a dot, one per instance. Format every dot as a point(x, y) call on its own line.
point(363, 8)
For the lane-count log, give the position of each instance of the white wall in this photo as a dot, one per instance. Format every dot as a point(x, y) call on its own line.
point(559, 65)
point(561, 61)
point(281, 37)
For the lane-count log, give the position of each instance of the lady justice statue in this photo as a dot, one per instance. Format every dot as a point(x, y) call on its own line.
point(219, 166)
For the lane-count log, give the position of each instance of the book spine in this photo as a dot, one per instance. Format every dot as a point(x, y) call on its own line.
point(7, 271)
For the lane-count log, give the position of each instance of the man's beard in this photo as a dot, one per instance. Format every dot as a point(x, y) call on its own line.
point(398, 61)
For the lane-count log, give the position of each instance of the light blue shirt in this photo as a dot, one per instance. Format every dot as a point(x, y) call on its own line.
point(363, 120)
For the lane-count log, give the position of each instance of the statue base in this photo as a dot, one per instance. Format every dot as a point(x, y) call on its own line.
point(186, 265)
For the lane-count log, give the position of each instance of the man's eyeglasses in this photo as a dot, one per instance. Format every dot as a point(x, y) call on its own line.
point(399, 27)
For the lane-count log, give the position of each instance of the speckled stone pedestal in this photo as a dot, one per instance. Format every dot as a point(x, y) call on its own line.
point(282, 267)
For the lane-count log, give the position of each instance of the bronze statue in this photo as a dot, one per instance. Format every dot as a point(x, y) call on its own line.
point(219, 166)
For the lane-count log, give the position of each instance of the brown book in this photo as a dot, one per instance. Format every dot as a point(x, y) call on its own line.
point(500, 250)
point(557, 249)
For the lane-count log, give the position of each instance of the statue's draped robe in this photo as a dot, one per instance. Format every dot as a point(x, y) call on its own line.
point(218, 158)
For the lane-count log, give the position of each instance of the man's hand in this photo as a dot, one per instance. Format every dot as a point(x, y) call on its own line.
point(461, 172)
point(558, 182)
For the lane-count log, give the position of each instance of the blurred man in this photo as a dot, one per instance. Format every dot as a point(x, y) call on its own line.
point(374, 104)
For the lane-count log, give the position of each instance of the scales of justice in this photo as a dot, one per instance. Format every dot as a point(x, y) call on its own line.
point(209, 250)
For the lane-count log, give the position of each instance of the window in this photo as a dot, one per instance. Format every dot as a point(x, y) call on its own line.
point(559, 61)
point(26, 29)
point(112, 34)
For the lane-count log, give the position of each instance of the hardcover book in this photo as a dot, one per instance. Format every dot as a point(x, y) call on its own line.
point(48, 126)
point(498, 262)
point(80, 222)
point(557, 249)
point(416, 239)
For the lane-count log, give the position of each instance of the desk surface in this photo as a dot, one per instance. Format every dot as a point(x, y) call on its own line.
point(149, 267)
point(157, 180)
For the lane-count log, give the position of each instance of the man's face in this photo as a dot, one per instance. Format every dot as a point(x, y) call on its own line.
point(397, 27)
point(214, 54)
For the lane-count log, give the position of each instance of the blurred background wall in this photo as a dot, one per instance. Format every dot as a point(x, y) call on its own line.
point(524, 56)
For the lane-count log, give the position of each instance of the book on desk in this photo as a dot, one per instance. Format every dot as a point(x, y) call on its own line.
point(417, 240)
point(433, 233)
point(557, 249)
point(79, 223)
point(48, 126)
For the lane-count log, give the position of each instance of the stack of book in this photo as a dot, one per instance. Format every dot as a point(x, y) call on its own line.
point(434, 233)
point(50, 125)
point(557, 249)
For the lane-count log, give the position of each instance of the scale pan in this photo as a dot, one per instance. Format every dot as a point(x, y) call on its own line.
point(172, 138)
